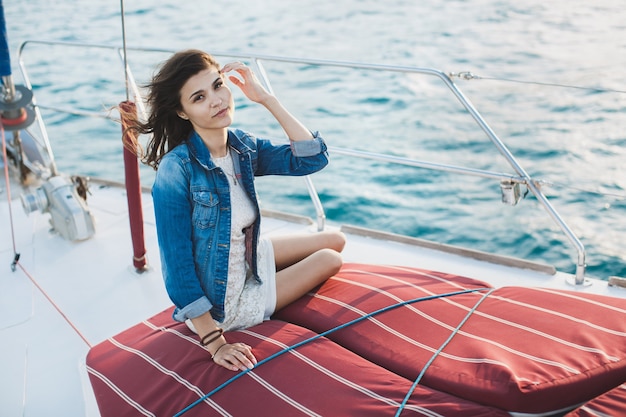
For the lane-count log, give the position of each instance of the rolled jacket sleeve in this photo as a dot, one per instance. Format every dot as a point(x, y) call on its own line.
point(305, 148)
point(193, 310)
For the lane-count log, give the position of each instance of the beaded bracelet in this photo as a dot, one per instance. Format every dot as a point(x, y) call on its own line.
point(212, 336)
point(217, 350)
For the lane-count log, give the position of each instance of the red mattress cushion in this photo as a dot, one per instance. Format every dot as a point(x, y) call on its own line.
point(159, 368)
point(613, 403)
point(523, 350)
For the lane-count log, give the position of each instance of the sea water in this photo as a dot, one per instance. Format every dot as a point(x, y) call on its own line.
point(549, 83)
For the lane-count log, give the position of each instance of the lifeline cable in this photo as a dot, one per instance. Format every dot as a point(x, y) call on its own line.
point(323, 334)
point(468, 75)
point(56, 307)
point(438, 352)
point(16, 258)
point(581, 189)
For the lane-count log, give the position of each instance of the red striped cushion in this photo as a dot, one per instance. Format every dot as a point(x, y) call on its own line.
point(613, 403)
point(523, 350)
point(158, 368)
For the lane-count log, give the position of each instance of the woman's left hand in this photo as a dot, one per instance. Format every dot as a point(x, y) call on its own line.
point(248, 83)
point(235, 356)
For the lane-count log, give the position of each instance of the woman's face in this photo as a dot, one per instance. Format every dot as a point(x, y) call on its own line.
point(207, 102)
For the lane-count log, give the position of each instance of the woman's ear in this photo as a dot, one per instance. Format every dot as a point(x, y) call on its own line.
point(182, 115)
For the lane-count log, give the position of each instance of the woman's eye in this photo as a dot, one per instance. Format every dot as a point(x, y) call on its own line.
point(219, 84)
point(198, 97)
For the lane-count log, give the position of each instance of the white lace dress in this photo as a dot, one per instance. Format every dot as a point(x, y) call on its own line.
point(247, 302)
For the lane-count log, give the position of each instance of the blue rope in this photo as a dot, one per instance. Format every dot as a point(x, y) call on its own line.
point(438, 352)
point(327, 332)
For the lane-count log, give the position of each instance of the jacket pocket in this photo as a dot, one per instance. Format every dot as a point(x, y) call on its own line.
point(205, 209)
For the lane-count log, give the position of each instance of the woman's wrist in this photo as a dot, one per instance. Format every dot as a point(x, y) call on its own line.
point(270, 101)
point(218, 349)
point(212, 336)
point(215, 345)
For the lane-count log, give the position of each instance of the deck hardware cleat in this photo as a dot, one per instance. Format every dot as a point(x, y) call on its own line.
point(615, 281)
point(70, 216)
point(511, 194)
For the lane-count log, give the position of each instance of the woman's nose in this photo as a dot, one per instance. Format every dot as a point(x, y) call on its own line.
point(216, 102)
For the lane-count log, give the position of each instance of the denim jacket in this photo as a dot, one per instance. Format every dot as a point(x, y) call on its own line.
point(192, 209)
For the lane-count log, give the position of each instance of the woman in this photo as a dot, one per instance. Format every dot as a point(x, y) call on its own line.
point(218, 272)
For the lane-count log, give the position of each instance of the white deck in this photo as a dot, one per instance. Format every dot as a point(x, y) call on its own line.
point(95, 286)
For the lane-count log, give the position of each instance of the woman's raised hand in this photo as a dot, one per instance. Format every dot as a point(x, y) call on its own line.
point(248, 83)
point(252, 88)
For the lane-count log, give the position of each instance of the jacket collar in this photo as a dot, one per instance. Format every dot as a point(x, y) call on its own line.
point(198, 149)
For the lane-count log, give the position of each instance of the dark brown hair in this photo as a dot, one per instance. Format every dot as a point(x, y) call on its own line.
point(167, 128)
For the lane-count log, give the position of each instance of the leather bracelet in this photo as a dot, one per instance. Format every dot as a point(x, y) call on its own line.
point(212, 336)
point(217, 350)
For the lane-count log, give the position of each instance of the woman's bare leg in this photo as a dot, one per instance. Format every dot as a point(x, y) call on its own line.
point(289, 249)
point(305, 261)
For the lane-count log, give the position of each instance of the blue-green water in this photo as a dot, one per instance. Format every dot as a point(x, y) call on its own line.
point(573, 137)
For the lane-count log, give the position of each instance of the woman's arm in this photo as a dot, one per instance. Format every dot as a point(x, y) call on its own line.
point(253, 89)
point(294, 129)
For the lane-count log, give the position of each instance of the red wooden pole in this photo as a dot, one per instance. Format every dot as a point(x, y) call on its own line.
point(133, 190)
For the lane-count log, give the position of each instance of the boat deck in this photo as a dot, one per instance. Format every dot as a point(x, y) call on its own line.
point(65, 297)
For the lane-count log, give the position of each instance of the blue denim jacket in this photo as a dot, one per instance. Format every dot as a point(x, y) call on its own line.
point(192, 208)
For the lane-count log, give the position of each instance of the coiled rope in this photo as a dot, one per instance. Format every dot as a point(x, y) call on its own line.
point(327, 332)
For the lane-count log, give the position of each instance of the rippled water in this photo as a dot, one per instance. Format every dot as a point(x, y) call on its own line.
point(572, 137)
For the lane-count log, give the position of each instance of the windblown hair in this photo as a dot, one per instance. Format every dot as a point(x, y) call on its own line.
point(167, 129)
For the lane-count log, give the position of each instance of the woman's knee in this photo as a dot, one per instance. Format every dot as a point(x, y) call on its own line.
point(331, 259)
point(335, 240)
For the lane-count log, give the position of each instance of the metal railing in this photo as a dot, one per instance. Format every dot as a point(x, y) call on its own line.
point(520, 177)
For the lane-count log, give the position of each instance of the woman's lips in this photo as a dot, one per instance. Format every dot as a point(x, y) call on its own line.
point(221, 112)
